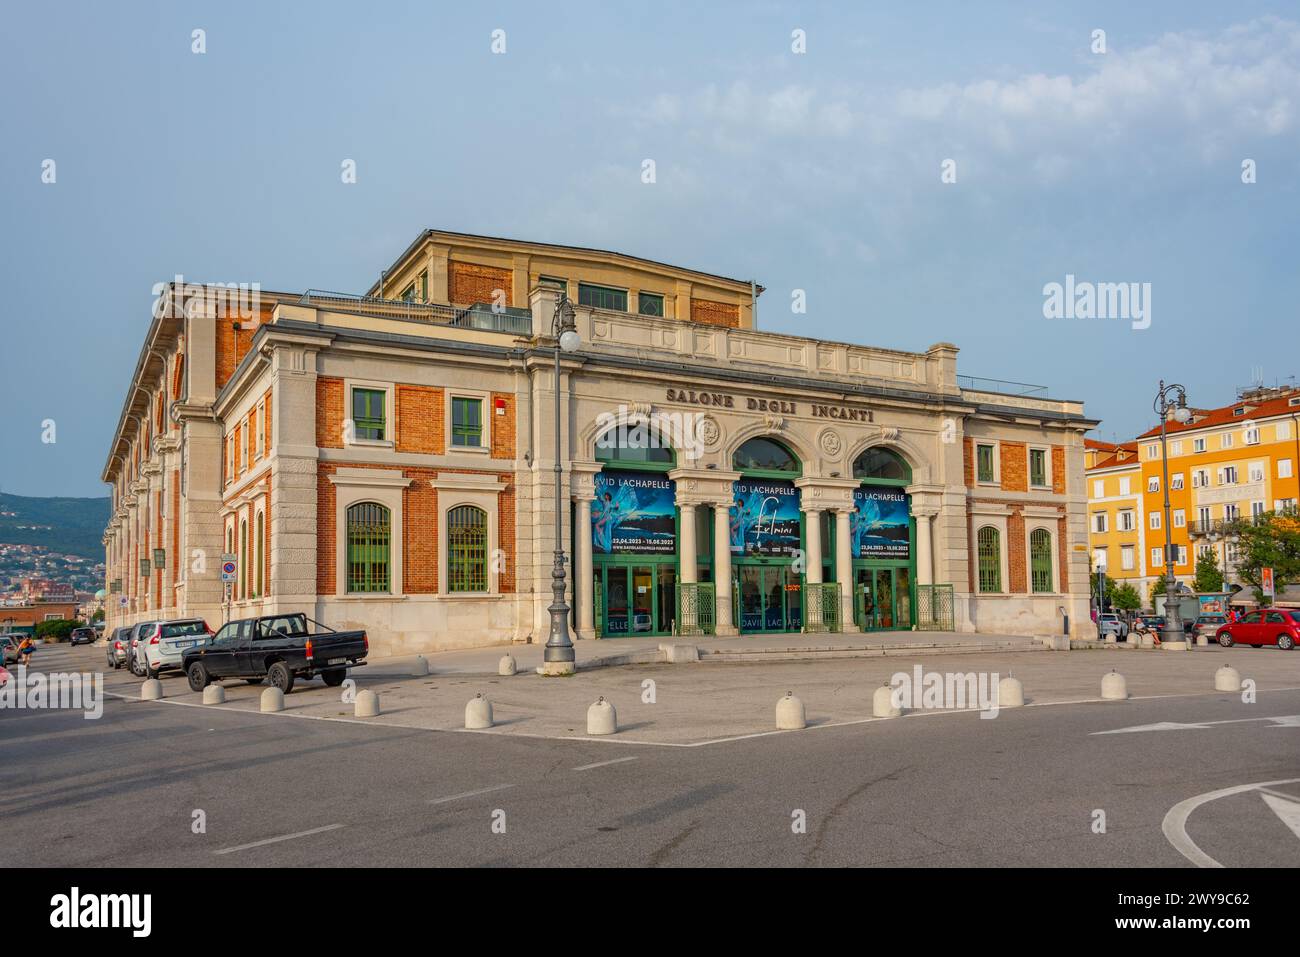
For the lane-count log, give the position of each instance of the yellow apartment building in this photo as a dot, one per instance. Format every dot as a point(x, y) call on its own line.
point(1115, 508)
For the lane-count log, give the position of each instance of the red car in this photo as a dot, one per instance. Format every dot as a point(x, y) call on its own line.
point(1268, 626)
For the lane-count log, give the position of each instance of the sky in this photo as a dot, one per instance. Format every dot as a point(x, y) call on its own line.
point(820, 172)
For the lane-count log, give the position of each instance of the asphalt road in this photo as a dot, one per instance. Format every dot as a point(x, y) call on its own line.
point(934, 790)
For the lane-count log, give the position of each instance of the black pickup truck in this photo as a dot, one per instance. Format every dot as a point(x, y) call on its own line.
point(278, 647)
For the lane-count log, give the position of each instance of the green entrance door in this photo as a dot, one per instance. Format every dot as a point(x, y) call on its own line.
point(883, 597)
point(638, 599)
point(769, 598)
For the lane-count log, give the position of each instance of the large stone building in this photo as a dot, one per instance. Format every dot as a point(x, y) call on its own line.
point(387, 461)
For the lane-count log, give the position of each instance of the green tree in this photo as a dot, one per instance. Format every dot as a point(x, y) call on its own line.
point(56, 630)
point(1158, 587)
point(1271, 541)
point(1125, 597)
point(98, 615)
point(1208, 575)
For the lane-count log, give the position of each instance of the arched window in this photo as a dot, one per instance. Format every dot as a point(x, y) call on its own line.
point(369, 535)
point(467, 538)
point(261, 554)
point(634, 443)
point(1040, 560)
point(243, 558)
point(881, 463)
point(990, 559)
point(764, 455)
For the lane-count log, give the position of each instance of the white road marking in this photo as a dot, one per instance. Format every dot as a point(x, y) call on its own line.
point(1174, 825)
point(470, 794)
point(276, 840)
point(1281, 721)
point(603, 764)
point(1285, 807)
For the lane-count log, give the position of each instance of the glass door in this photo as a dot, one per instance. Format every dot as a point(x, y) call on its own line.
point(750, 590)
point(770, 598)
point(616, 600)
point(884, 598)
point(643, 609)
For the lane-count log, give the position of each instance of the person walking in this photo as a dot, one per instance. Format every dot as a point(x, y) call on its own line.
point(25, 649)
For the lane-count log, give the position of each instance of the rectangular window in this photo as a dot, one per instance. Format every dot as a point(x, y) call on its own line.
point(1257, 471)
point(1153, 451)
point(368, 411)
point(1125, 486)
point(1099, 523)
point(1176, 482)
point(1284, 505)
point(1256, 509)
point(1229, 475)
point(984, 462)
point(1198, 445)
point(259, 423)
point(1175, 448)
point(1098, 488)
point(1225, 440)
point(1203, 517)
point(1126, 521)
point(1231, 513)
point(1153, 483)
point(1252, 435)
point(1038, 467)
point(1154, 519)
point(1157, 557)
point(1099, 559)
point(1180, 518)
point(649, 304)
point(466, 423)
point(1283, 430)
point(243, 446)
point(1283, 468)
point(1126, 557)
point(602, 297)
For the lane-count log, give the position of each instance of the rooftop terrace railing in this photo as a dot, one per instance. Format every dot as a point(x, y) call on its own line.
point(1001, 386)
point(513, 321)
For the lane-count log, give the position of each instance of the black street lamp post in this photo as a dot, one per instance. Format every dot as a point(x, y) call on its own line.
point(558, 657)
point(1171, 398)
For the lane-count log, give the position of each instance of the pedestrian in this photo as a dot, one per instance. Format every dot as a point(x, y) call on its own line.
point(25, 649)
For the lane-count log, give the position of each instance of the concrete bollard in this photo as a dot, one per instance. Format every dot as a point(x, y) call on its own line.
point(1114, 687)
point(151, 690)
point(420, 668)
point(1146, 641)
point(478, 713)
point(214, 694)
point(1011, 693)
point(602, 718)
point(272, 700)
point(367, 705)
point(1227, 678)
point(790, 715)
point(882, 703)
point(506, 666)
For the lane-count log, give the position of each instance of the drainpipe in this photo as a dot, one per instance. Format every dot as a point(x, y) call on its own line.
point(753, 303)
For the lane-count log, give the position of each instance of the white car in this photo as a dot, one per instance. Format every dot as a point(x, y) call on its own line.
point(164, 644)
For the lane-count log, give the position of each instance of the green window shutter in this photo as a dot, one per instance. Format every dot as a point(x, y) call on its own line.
point(1040, 560)
point(989, 546)
point(467, 549)
point(368, 411)
point(1037, 467)
point(467, 422)
point(369, 536)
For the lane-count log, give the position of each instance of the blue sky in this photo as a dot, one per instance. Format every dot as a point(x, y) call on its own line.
point(818, 172)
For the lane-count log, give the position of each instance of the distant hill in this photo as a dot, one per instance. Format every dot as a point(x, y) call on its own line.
point(75, 525)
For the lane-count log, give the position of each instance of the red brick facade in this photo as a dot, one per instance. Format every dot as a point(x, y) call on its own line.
point(468, 284)
point(715, 313)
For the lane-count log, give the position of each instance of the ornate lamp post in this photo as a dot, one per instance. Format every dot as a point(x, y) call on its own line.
point(1171, 398)
point(558, 657)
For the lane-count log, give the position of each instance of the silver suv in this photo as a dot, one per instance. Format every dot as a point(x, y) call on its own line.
point(161, 647)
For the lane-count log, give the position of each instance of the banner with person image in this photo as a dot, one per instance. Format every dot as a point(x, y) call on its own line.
point(764, 518)
point(881, 524)
point(634, 513)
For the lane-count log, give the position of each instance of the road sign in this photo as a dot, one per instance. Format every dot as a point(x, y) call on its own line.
point(1266, 582)
point(228, 568)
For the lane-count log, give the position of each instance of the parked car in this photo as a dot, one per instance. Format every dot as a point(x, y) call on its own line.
point(641, 621)
point(9, 648)
point(119, 647)
point(134, 660)
point(1156, 622)
point(280, 648)
point(82, 636)
point(1268, 626)
point(1207, 626)
point(99, 629)
point(1112, 625)
point(162, 647)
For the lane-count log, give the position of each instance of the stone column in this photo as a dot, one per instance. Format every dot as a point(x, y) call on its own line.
point(844, 569)
point(687, 557)
point(723, 624)
point(924, 563)
point(813, 541)
point(583, 585)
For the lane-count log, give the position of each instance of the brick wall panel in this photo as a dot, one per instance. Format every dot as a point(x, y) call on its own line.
point(715, 313)
point(1058, 469)
point(421, 419)
point(1016, 551)
point(468, 283)
point(1015, 467)
point(329, 413)
point(503, 426)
